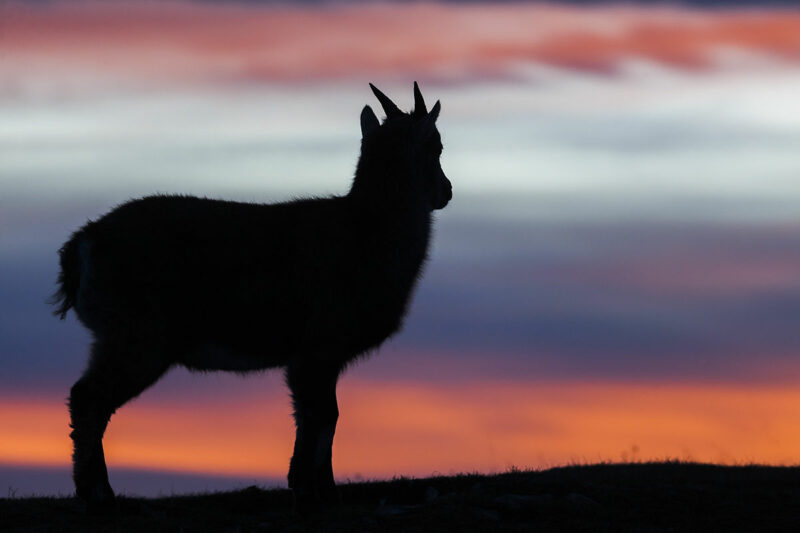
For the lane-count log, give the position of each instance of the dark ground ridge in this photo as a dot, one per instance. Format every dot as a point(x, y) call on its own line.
point(640, 497)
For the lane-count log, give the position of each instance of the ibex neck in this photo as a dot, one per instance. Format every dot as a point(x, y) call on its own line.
point(393, 231)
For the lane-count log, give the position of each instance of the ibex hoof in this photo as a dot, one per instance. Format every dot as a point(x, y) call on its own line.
point(99, 499)
point(320, 500)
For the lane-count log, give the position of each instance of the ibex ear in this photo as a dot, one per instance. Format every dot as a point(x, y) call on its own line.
point(429, 124)
point(369, 122)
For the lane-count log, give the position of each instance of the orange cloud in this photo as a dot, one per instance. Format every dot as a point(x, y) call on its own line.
point(168, 41)
point(405, 429)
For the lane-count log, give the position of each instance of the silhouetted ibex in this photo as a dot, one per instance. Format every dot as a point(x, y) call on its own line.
point(308, 285)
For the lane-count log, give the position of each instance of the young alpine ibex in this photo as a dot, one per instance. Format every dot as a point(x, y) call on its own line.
point(308, 285)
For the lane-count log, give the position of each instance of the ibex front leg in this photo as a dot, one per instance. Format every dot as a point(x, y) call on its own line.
point(313, 390)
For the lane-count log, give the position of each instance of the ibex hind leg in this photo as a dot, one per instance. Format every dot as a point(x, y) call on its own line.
point(116, 373)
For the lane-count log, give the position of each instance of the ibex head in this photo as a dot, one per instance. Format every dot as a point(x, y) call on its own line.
point(400, 159)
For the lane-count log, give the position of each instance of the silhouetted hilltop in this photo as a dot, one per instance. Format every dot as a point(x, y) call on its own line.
point(652, 497)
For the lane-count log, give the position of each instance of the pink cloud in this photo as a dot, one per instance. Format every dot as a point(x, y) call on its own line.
point(187, 41)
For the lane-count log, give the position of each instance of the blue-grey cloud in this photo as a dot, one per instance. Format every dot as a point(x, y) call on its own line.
point(25, 481)
point(513, 298)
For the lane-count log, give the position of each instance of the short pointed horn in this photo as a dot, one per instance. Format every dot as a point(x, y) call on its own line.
point(389, 107)
point(419, 102)
point(434, 114)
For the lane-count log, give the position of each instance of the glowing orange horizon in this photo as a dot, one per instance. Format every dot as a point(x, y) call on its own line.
point(181, 40)
point(404, 429)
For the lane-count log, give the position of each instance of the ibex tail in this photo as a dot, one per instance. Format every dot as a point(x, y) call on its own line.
point(69, 277)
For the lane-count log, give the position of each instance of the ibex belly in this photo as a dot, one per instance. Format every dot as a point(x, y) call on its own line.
point(218, 357)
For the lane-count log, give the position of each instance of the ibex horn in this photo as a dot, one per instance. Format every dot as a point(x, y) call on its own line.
point(419, 102)
point(389, 107)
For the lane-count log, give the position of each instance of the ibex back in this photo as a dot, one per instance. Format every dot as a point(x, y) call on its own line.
point(307, 285)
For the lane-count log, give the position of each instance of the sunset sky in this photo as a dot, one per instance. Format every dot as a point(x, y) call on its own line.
point(617, 277)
